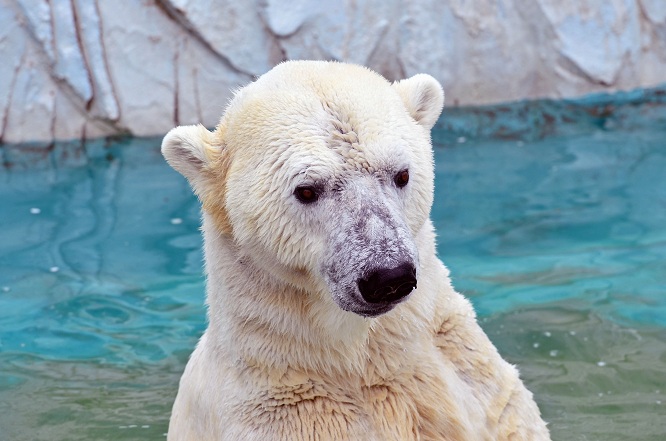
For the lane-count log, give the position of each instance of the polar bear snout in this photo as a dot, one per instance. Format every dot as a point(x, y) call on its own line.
point(371, 257)
point(385, 285)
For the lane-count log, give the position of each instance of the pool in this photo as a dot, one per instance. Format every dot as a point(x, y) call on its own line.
point(551, 216)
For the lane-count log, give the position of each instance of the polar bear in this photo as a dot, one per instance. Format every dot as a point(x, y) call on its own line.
point(330, 315)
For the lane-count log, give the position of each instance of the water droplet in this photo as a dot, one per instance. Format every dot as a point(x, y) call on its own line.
point(601, 363)
point(658, 401)
point(131, 426)
point(6, 289)
point(572, 332)
point(176, 221)
point(553, 353)
point(547, 334)
point(145, 426)
point(462, 140)
point(535, 345)
point(35, 210)
point(54, 269)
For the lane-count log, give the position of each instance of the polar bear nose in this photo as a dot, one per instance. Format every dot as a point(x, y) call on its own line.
point(388, 284)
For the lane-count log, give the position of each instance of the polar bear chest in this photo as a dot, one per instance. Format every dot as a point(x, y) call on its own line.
point(419, 406)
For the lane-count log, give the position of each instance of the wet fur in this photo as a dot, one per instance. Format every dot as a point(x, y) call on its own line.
point(288, 353)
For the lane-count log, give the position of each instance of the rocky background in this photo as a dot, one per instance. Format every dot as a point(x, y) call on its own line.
point(80, 69)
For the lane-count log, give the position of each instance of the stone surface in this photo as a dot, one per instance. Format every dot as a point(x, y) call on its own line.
point(78, 69)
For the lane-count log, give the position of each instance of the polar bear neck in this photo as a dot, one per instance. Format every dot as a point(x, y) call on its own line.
point(246, 303)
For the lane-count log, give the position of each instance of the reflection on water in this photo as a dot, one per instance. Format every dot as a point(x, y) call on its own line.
point(569, 215)
point(560, 243)
point(102, 295)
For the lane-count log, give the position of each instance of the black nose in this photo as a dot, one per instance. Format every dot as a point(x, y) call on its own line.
point(388, 284)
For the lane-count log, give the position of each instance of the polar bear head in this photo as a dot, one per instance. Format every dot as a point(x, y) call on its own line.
point(320, 174)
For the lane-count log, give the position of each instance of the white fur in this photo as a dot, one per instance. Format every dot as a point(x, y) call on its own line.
point(292, 350)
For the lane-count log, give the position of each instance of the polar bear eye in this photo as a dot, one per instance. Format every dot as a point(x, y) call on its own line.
point(306, 194)
point(401, 178)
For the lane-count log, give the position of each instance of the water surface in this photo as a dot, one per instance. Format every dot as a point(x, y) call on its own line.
point(560, 242)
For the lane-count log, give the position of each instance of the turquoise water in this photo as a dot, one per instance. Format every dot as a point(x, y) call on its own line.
point(560, 242)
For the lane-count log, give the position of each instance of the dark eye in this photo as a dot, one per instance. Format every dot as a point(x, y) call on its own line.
point(401, 178)
point(306, 195)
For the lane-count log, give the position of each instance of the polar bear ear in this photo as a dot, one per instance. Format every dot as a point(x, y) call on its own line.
point(188, 150)
point(424, 98)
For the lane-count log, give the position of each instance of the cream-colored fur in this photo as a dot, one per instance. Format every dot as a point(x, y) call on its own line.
point(292, 351)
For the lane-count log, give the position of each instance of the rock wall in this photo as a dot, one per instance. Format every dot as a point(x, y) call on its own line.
point(77, 69)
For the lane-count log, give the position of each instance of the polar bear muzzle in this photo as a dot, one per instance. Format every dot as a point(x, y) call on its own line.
point(371, 254)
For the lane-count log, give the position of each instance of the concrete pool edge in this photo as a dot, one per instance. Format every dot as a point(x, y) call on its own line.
point(525, 120)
